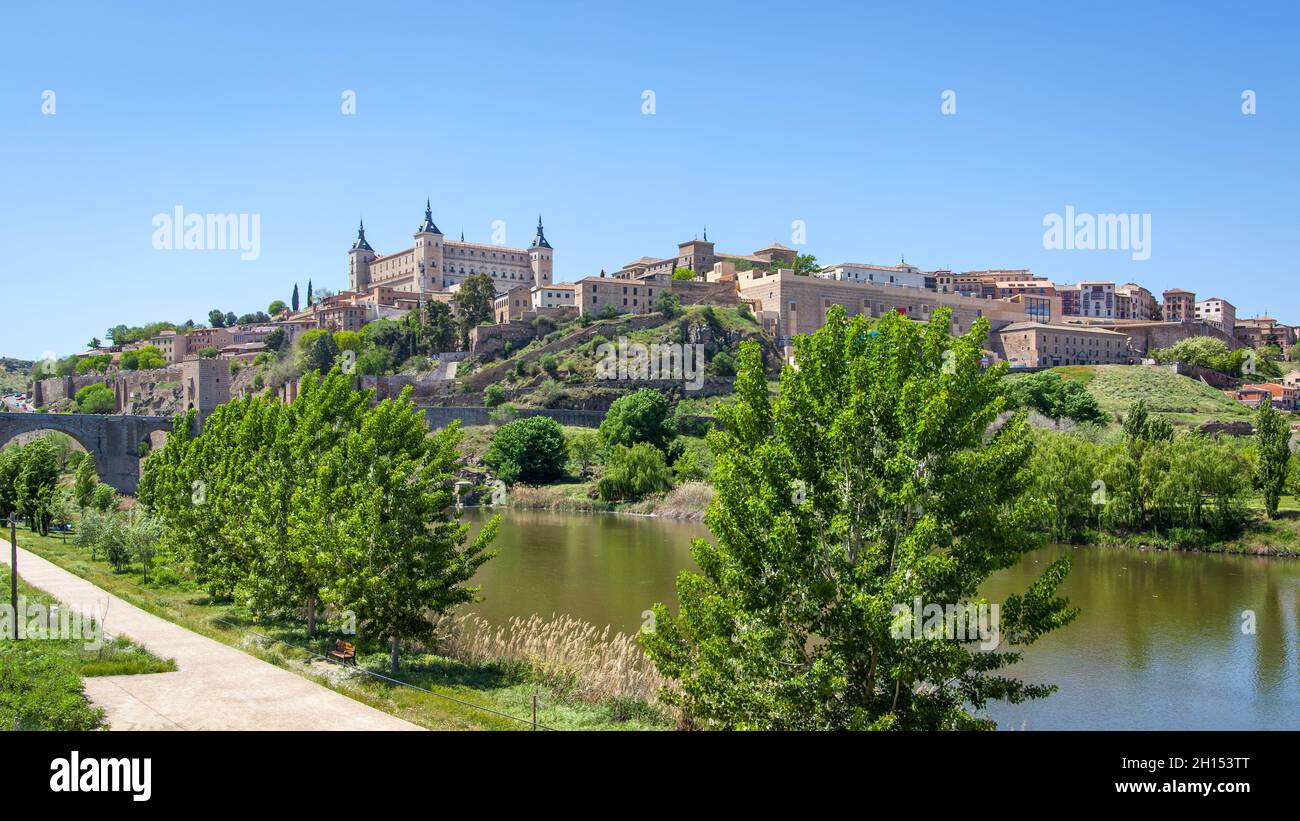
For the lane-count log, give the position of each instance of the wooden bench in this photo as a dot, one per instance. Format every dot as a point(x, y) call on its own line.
point(344, 651)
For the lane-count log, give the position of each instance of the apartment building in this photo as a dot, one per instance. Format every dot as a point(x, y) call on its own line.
point(1090, 298)
point(1259, 331)
point(1218, 312)
point(1179, 305)
point(899, 276)
point(1134, 302)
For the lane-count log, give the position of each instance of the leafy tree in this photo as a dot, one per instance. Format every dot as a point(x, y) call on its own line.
point(873, 478)
point(805, 265)
point(402, 558)
point(36, 482)
point(682, 274)
point(10, 465)
point(348, 340)
point(97, 363)
point(609, 311)
point(374, 361)
point(83, 486)
point(634, 472)
point(94, 343)
point(668, 304)
point(439, 327)
point(1141, 427)
point(208, 352)
point(146, 358)
point(642, 416)
point(276, 306)
point(694, 462)
point(230, 319)
point(142, 534)
point(531, 450)
point(473, 302)
point(1273, 459)
point(96, 398)
point(493, 395)
point(585, 452)
point(216, 318)
point(723, 363)
point(1051, 395)
point(318, 350)
point(104, 498)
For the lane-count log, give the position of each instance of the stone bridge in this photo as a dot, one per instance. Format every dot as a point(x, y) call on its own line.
point(115, 440)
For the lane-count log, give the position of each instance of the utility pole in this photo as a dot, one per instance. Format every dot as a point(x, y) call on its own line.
point(13, 570)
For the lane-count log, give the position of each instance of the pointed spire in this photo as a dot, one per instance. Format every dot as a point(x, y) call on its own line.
point(539, 241)
point(361, 244)
point(427, 227)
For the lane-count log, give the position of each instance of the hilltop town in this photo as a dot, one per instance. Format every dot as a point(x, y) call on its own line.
point(468, 323)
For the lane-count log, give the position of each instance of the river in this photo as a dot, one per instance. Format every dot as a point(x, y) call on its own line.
point(1159, 642)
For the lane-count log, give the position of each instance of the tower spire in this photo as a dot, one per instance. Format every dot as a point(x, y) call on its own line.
point(361, 244)
point(539, 241)
point(427, 227)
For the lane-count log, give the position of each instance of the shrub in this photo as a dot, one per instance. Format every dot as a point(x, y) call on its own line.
point(668, 304)
point(694, 462)
point(633, 472)
point(584, 452)
point(531, 450)
point(104, 498)
point(95, 398)
point(493, 395)
point(642, 416)
point(724, 364)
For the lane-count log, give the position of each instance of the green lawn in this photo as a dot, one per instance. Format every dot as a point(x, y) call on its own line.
point(40, 678)
point(285, 644)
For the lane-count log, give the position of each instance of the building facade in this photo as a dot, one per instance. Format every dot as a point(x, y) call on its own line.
point(1218, 312)
point(1040, 345)
point(435, 264)
point(1179, 305)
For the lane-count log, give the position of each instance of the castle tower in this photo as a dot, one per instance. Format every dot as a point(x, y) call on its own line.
point(539, 253)
point(359, 258)
point(428, 254)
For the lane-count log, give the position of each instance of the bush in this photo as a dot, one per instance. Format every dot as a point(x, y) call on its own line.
point(668, 304)
point(531, 450)
point(1051, 395)
point(95, 398)
point(694, 460)
point(493, 395)
point(633, 472)
point(584, 452)
point(104, 498)
point(643, 416)
point(724, 364)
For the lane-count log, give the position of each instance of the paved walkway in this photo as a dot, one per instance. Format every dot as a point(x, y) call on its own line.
point(215, 687)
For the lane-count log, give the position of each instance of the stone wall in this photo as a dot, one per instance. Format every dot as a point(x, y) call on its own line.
point(56, 388)
point(1146, 336)
point(691, 292)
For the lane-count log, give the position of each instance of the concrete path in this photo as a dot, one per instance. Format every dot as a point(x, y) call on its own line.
point(215, 687)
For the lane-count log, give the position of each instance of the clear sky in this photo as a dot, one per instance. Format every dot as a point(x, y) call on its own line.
point(764, 114)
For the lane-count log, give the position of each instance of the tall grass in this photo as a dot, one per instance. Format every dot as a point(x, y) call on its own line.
point(572, 657)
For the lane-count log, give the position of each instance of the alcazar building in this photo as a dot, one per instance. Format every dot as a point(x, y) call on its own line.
point(435, 264)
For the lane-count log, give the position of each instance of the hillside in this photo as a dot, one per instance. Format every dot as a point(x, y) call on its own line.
point(1184, 400)
point(14, 374)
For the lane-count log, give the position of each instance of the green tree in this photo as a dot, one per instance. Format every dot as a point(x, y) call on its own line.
point(10, 465)
point(1273, 455)
point(683, 274)
point(584, 452)
point(529, 450)
point(1051, 395)
point(493, 395)
point(805, 265)
point(642, 416)
point(439, 327)
point(875, 477)
point(216, 318)
point(317, 350)
point(668, 304)
point(104, 498)
point(294, 299)
point(83, 486)
point(276, 307)
point(473, 302)
point(402, 558)
point(37, 480)
point(96, 398)
point(633, 472)
point(208, 352)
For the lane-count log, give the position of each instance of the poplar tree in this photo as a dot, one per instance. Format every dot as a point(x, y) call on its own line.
point(1273, 455)
point(878, 475)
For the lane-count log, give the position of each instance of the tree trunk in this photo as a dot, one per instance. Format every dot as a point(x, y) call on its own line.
point(311, 617)
point(393, 654)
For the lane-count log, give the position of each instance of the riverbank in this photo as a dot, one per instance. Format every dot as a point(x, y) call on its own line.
point(433, 689)
point(687, 502)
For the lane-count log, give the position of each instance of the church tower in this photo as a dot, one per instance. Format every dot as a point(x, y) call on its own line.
point(359, 259)
point(428, 254)
point(539, 254)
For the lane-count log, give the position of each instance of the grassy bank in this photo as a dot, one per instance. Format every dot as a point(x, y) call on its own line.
point(501, 685)
point(41, 678)
point(688, 500)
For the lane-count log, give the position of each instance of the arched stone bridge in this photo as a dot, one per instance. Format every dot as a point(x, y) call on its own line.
point(115, 440)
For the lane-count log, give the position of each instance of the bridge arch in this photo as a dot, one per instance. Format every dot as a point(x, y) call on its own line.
point(114, 440)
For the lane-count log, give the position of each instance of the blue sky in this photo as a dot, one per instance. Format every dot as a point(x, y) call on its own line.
point(765, 114)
